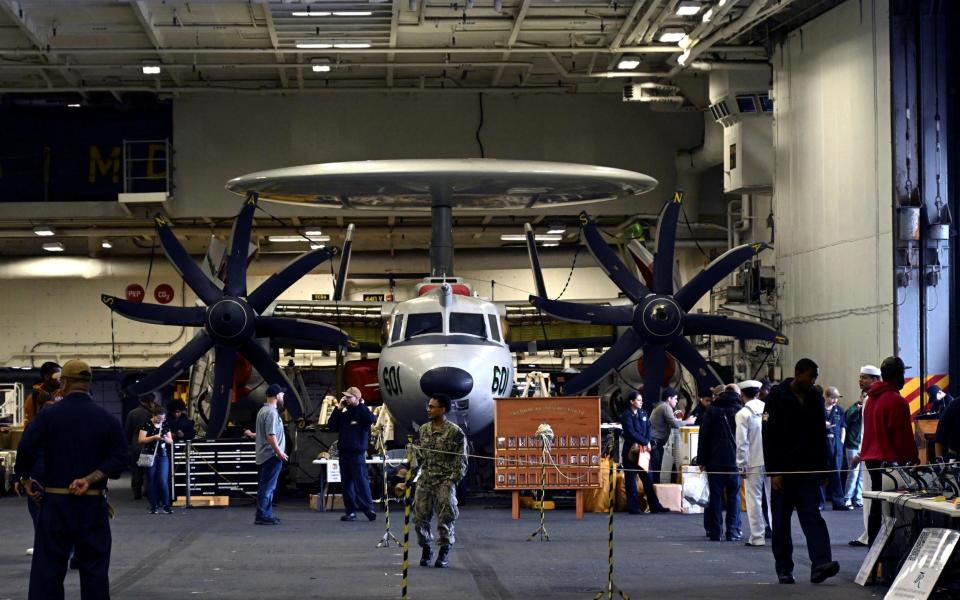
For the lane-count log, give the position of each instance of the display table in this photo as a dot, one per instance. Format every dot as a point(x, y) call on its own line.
point(915, 502)
point(326, 479)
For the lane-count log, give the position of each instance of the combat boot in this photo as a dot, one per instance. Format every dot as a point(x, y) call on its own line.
point(426, 556)
point(443, 558)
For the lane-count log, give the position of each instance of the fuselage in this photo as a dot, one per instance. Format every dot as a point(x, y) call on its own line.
point(442, 342)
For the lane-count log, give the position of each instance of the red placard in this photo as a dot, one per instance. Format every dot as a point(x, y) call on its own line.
point(163, 293)
point(135, 292)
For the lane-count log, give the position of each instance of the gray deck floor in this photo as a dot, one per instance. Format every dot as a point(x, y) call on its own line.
point(219, 553)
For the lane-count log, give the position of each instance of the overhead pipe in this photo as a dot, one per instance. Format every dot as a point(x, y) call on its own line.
point(722, 33)
point(692, 162)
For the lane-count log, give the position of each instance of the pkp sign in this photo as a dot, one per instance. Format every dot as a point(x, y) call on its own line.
point(135, 292)
point(163, 293)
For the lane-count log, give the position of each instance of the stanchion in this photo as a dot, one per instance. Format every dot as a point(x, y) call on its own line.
point(611, 587)
point(387, 534)
point(544, 454)
point(187, 477)
point(406, 518)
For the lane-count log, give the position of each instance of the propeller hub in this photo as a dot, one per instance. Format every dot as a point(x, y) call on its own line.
point(658, 318)
point(231, 321)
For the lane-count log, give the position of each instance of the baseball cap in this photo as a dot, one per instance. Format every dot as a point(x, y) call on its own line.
point(77, 369)
point(275, 388)
point(870, 370)
point(353, 391)
point(934, 389)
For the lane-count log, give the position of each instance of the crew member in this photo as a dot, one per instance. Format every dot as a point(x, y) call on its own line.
point(43, 391)
point(181, 426)
point(82, 446)
point(938, 400)
point(662, 424)
point(353, 420)
point(869, 375)
point(717, 454)
point(442, 456)
point(795, 442)
point(636, 432)
point(270, 455)
point(750, 461)
point(137, 416)
point(836, 430)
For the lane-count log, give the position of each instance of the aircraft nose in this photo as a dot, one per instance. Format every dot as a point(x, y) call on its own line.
point(451, 381)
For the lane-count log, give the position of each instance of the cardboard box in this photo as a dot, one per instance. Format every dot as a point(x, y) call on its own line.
point(670, 495)
point(203, 501)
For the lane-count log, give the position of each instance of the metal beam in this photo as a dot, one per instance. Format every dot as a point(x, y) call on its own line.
point(142, 12)
point(394, 20)
point(621, 34)
point(274, 41)
point(39, 39)
point(512, 39)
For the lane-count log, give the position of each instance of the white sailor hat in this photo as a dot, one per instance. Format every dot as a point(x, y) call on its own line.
point(870, 370)
point(750, 383)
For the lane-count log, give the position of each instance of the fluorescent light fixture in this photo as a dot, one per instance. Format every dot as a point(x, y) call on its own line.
point(671, 35)
point(310, 13)
point(519, 237)
point(314, 45)
point(685, 42)
point(105, 244)
point(321, 65)
point(688, 8)
point(556, 228)
point(316, 246)
point(349, 45)
point(313, 232)
point(683, 58)
point(44, 230)
point(150, 67)
point(73, 105)
point(547, 244)
point(352, 13)
point(53, 247)
point(628, 62)
point(290, 239)
point(707, 16)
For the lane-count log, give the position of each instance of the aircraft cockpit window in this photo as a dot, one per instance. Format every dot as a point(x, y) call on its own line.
point(494, 327)
point(469, 323)
point(421, 323)
point(397, 326)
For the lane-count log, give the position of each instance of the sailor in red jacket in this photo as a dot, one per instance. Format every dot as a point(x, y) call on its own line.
point(887, 431)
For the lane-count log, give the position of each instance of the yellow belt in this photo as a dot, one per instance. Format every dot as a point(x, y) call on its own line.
point(67, 492)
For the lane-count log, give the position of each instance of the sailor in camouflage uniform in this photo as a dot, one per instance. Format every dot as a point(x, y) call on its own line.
point(442, 456)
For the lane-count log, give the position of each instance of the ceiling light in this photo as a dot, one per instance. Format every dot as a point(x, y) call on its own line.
point(628, 62)
point(106, 244)
point(321, 65)
point(547, 244)
point(150, 67)
point(556, 228)
point(73, 105)
point(43, 230)
point(707, 16)
point(53, 247)
point(314, 45)
point(671, 35)
point(316, 246)
point(310, 13)
point(289, 239)
point(519, 237)
point(685, 42)
point(688, 8)
point(352, 13)
point(313, 232)
point(349, 45)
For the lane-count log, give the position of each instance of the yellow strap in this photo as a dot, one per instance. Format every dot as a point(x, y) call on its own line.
point(67, 492)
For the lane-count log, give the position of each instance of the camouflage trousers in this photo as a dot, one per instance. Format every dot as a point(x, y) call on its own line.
point(442, 501)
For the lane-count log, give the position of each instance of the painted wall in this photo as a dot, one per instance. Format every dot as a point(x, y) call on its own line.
point(833, 197)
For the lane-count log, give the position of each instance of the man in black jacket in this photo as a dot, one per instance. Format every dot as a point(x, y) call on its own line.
point(717, 454)
point(795, 442)
point(353, 420)
point(636, 430)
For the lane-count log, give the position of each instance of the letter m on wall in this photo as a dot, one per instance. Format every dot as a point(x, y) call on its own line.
point(101, 167)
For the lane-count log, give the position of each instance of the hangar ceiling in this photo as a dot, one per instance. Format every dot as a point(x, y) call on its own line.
point(100, 52)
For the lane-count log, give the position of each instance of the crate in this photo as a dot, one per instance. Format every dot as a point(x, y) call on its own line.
point(203, 501)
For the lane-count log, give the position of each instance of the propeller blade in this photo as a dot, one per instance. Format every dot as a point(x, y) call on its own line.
point(278, 283)
point(611, 265)
point(643, 258)
point(272, 373)
point(654, 364)
point(174, 365)
point(628, 343)
point(722, 266)
point(198, 281)
point(739, 328)
point(188, 316)
point(534, 260)
point(236, 282)
point(344, 265)
point(685, 352)
point(666, 238)
point(321, 335)
point(223, 367)
point(585, 313)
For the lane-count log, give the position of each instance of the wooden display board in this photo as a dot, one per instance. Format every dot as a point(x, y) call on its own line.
point(574, 459)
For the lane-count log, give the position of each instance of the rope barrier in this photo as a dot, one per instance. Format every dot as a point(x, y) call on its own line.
point(387, 534)
point(406, 518)
point(611, 587)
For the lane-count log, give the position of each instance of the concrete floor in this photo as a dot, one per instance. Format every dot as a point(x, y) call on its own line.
point(219, 553)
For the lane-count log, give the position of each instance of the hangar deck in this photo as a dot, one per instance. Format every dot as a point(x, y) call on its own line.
point(219, 553)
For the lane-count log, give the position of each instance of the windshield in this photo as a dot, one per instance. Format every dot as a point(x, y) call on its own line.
point(421, 323)
point(469, 323)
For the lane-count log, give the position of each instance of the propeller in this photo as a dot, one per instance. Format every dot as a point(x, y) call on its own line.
point(231, 319)
point(657, 319)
